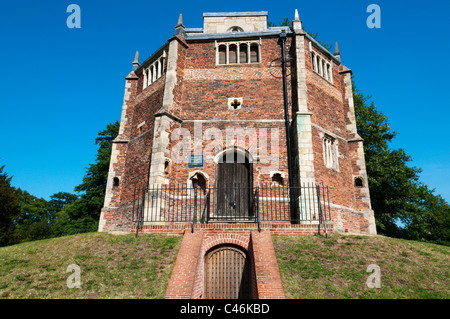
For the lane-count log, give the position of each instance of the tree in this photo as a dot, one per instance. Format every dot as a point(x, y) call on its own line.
point(9, 208)
point(403, 205)
point(58, 202)
point(82, 214)
point(33, 223)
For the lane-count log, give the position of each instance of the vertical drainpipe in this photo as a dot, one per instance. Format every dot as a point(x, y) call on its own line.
point(287, 122)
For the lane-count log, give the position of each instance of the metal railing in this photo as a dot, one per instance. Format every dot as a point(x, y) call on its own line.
point(264, 203)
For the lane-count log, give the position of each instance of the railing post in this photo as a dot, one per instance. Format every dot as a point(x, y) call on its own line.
point(321, 218)
point(258, 217)
point(195, 209)
point(207, 205)
point(141, 212)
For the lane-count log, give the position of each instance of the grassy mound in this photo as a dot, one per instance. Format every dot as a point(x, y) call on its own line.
point(316, 267)
point(111, 266)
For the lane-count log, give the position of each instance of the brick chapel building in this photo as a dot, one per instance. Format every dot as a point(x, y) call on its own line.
point(203, 148)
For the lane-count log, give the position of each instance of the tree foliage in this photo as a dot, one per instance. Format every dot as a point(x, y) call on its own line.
point(24, 217)
point(9, 208)
point(403, 205)
point(83, 214)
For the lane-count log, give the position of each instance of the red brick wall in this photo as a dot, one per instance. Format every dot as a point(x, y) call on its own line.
point(330, 115)
point(201, 93)
point(206, 87)
point(187, 276)
point(181, 283)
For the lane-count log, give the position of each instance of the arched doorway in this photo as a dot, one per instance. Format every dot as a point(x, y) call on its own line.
point(233, 185)
point(227, 273)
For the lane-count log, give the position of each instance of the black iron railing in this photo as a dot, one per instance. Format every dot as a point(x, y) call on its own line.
point(265, 203)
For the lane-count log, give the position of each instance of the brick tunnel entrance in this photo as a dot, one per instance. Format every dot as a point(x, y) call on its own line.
point(231, 265)
point(227, 273)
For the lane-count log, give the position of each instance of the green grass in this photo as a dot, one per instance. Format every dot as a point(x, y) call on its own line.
point(121, 266)
point(316, 267)
point(112, 266)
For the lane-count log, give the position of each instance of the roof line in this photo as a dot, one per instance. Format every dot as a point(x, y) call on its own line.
point(228, 35)
point(235, 14)
point(151, 56)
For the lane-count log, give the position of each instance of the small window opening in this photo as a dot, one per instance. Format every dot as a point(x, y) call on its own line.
point(358, 182)
point(199, 182)
point(254, 53)
point(243, 53)
point(167, 166)
point(236, 29)
point(277, 180)
point(222, 54)
point(330, 152)
point(232, 49)
point(116, 181)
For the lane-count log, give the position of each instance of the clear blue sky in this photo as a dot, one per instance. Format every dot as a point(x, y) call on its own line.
point(59, 87)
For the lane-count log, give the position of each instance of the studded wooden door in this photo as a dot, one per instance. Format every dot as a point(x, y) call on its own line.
point(227, 274)
point(233, 187)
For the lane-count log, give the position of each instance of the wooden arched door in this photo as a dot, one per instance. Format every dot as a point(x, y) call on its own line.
point(227, 274)
point(233, 187)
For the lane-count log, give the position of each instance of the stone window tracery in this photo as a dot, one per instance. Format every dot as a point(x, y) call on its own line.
point(321, 67)
point(241, 52)
point(154, 71)
point(330, 152)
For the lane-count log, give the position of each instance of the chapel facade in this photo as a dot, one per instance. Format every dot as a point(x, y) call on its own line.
point(238, 126)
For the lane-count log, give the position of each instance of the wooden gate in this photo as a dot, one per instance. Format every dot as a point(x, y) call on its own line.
point(233, 187)
point(227, 274)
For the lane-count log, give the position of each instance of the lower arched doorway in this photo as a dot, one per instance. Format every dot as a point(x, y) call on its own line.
point(227, 273)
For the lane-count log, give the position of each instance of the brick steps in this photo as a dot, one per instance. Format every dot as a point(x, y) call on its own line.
point(186, 281)
point(281, 229)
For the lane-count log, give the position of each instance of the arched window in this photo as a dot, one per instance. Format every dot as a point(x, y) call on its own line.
point(359, 182)
point(243, 53)
point(167, 166)
point(156, 73)
point(235, 29)
point(254, 53)
point(277, 180)
point(238, 52)
point(330, 152)
point(116, 181)
point(145, 81)
point(150, 75)
point(162, 65)
point(222, 54)
point(232, 51)
point(198, 181)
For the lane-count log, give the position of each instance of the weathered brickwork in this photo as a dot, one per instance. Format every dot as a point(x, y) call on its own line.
point(212, 94)
point(192, 97)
